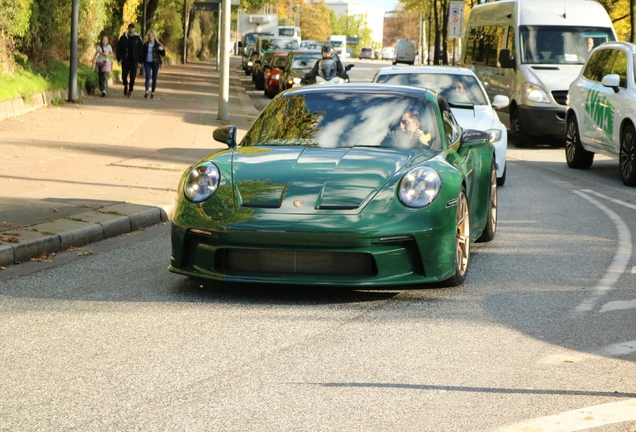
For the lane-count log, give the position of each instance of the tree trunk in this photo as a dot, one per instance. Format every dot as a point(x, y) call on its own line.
point(445, 5)
point(632, 19)
point(436, 17)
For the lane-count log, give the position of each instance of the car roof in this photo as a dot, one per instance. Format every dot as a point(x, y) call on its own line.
point(445, 70)
point(364, 88)
point(306, 51)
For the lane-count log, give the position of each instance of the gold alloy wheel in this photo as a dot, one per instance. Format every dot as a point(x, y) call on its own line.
point(492, 214)
point(463, 234)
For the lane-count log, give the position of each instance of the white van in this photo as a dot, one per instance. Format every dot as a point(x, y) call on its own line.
point(531, 51)
point(404, 52)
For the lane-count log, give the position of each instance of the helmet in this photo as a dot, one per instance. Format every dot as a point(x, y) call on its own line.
point(327, 51)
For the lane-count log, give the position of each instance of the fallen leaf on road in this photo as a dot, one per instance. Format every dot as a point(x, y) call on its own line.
point(2, 268)
point(44, 257)
point(589, 418)
point(54, 210)
point(5, 223)
point(73, 249)
point(569, 361)
point(84, 253)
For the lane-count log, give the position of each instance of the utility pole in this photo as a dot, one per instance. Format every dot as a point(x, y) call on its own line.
point(224, 78)
point(218, 40)
point(72, 76)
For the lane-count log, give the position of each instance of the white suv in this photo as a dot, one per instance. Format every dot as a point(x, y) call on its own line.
point(601, 111)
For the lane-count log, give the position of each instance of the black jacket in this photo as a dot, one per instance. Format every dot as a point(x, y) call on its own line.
point(122, 48)
point(339, 68)
point(156, 54)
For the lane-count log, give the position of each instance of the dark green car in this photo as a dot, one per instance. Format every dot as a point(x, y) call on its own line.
point(354, 184)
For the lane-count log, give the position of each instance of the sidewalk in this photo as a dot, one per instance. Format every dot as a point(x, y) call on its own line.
point(79, 173)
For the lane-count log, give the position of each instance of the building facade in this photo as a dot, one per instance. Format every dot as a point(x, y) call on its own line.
point(374, 15)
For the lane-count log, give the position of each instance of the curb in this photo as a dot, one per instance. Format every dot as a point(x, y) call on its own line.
point(27, 243)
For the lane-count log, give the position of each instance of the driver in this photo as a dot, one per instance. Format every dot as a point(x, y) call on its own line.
point(410, 134)
point(328, 54)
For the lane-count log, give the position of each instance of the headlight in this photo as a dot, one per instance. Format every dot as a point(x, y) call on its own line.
point(419, 187)
point(535, 93)
point(249, 63)
point(297, 80)
point(341, 80)
point(275, 76)
point(495, 135)
point(202, 182)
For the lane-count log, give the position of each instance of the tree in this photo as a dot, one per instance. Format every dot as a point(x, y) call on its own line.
point(404, 26)
point(314, 20)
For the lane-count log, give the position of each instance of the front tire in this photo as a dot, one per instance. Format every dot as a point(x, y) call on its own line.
point(520, 137)
point(626, 156)
point(502, 180)
point(493, 204)
point(575, 155)
point(462, 242)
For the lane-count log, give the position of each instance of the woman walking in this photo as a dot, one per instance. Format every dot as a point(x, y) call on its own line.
point(103, 60)
point(152, 53)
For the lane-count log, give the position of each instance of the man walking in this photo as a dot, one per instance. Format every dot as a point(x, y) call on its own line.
point(129, 49)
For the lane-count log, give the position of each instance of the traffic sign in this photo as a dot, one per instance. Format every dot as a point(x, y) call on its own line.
point(456, 20)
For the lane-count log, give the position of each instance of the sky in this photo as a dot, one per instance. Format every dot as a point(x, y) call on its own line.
point(387, 5)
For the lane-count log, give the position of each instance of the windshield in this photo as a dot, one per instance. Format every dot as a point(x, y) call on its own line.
point(280, 44)
point(332, 120)
point(560, 44)
point(453, 88)
point(279, 61)
point(305, 61)
point(286, 31)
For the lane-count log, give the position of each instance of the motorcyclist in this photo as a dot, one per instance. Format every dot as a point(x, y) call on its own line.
point(327, 54)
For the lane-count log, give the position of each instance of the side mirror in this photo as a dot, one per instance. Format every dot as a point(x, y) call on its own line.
point(500, 101)
point(349, 66)
point(504, 59)
point(226, 135)
point(613, 81)
point(474, 138)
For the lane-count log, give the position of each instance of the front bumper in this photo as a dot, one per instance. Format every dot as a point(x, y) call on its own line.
point(396, 255)
point(543, 121)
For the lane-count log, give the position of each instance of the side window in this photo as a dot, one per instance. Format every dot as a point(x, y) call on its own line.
point(588, 72)
point(620, 67)
point(474, 46)
point(510, 44)
point(604, 64)
point(493, 42)
point(452, 131)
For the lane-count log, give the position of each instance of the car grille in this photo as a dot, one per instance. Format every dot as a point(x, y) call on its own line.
point(560, 96)
point(297, 262)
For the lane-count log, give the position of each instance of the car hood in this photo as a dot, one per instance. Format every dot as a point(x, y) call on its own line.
point(305, 180)
point(553, 77)
point(480, 118)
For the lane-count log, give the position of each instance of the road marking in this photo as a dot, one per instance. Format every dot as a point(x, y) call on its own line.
point(618, 305)
point(566, 355)
point(579, 419)
point(620, 260)
point(614, 200)
point(617, 349)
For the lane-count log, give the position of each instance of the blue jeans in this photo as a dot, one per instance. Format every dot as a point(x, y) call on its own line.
point(154, 68)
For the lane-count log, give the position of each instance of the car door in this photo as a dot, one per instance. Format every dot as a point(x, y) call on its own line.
point(616, 105)
point(596, 124)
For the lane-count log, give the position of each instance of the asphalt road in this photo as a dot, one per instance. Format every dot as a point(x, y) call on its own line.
point(541, 336)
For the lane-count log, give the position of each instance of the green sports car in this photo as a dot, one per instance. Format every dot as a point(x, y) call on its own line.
point(357, 184)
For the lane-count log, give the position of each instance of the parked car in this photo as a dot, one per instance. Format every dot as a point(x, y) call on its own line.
point(466, 96)
point(366, 53)
point(272, 74)
point(601, 110)
point(259, 68)
point(297, 64)
point(377, 54)
point(326, 188)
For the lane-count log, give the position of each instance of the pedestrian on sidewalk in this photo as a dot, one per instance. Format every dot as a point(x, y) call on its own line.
point(129, 56)
point(103, 62)
point(152, 53)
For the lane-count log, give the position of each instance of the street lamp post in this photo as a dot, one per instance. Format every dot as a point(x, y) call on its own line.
point(72, 76)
